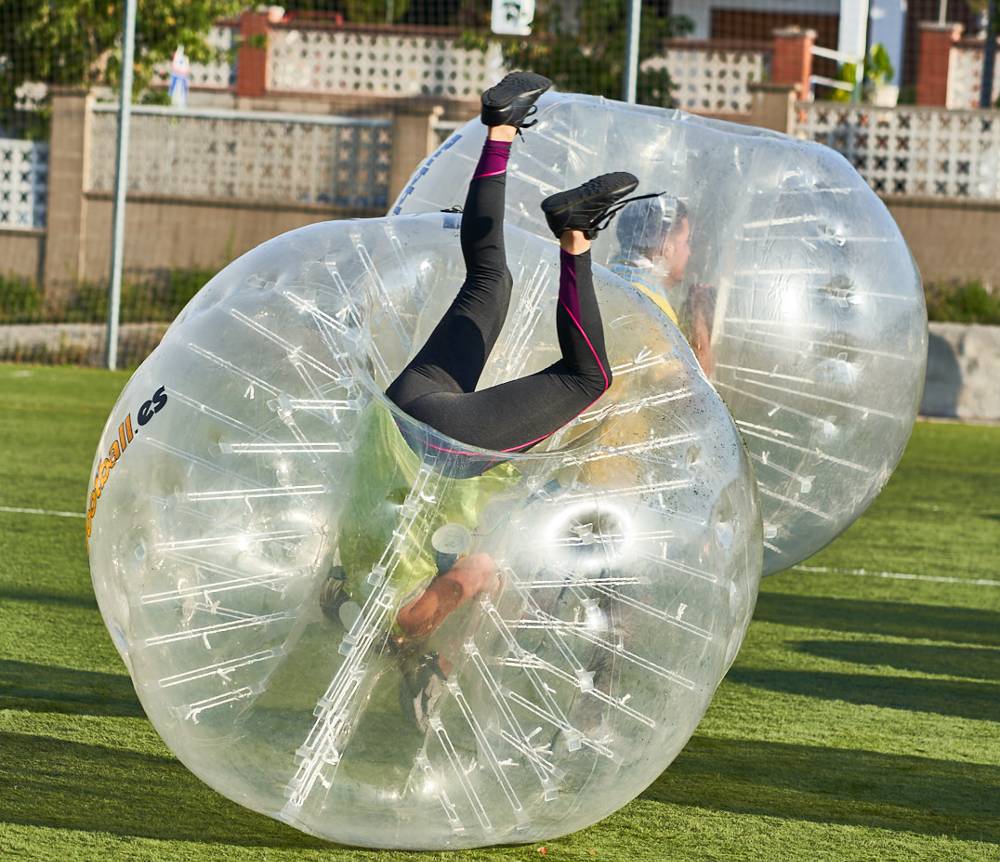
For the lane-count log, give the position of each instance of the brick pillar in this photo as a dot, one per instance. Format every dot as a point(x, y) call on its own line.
point(251, 63)
point(412, 141)
point(69, 148)
point(791, 61)
point(936, 42)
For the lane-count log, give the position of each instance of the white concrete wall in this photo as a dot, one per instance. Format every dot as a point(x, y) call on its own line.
point(700, 11)
point(963, 370)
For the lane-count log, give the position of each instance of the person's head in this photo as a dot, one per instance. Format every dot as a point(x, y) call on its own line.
point(658, 229)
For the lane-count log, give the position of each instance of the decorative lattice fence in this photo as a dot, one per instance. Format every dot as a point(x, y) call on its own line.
point(965, 76)
point(921, 151)
point(344, 61)
point(247, 156)
point(24, 168)
point(711, 77)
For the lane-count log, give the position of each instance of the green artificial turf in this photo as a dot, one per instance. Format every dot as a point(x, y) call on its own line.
point(861, 720)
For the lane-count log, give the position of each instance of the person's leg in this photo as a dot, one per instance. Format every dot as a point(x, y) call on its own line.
point(469, 577)
point(453, 357)
point(425, 672)
point(516, 415)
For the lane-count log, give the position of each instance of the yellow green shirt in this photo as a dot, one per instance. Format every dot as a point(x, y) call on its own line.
point(636, 277)
point(384, 473)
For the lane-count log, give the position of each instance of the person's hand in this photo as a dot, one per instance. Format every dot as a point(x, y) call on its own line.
point(477, 573)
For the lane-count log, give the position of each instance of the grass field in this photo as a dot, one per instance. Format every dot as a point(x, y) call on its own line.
point(861, 720)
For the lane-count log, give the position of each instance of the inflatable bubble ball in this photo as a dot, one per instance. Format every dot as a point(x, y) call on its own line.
point(783, 269)
point(251, 552)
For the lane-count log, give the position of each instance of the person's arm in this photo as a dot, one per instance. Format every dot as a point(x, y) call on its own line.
point(469, 577)
point(702, 302)
point(701, 343)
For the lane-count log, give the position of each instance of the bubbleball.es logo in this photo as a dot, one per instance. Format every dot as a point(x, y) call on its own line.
point(126, 433)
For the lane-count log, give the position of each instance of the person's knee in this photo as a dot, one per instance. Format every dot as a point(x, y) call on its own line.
point(493, 279)
point(609, 378)
point(595, 383)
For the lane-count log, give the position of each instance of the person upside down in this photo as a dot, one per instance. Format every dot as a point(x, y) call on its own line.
point(438, 388)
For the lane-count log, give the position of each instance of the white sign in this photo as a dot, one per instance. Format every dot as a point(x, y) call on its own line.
point(513, 17)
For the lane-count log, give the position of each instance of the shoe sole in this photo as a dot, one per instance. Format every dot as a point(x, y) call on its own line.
point(617, 185)
point(505, 93)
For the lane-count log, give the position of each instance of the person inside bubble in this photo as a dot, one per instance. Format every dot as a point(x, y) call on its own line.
point(654, 236)
point(438, 387)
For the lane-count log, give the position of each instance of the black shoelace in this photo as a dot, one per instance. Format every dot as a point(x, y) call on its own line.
point(611, 212)
point(531, 112)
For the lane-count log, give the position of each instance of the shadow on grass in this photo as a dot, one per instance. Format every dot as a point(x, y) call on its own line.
point(946, 697)
point(932, 622)
point(47, 598)
point(825, 785)
point(975, 663)
point(69, 785)
point(44, 688)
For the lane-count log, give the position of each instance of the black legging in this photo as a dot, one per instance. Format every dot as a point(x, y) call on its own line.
point(438, 386)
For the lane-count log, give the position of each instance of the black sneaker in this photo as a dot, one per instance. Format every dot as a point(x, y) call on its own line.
point(511, 101)
point(590, 207)
point(332, 594)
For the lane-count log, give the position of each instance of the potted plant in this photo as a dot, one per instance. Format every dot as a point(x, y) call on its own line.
point(879, 72)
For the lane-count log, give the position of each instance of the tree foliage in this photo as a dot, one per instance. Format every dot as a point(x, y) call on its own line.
point(587, 53)
point(376, 11)
point(78, 42)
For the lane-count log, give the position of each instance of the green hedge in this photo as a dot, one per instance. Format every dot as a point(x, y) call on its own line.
point(156, 297)
point(159, 297)
point(20, 300)
point(957, 302)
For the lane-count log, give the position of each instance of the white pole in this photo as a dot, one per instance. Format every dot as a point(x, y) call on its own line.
point(632, 50)
point(121, 184)
point(853, 31)
point(852, 38)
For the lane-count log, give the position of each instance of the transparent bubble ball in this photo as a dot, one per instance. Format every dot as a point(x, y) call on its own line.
point(816, 329)
point(247, 544)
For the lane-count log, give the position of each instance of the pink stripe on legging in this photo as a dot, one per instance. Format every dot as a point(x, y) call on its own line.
point(568, 294)
point(569, 297)
point(604, 374)
point(553, 431)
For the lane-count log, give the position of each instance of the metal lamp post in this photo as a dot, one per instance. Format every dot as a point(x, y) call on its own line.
point(121, 184)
